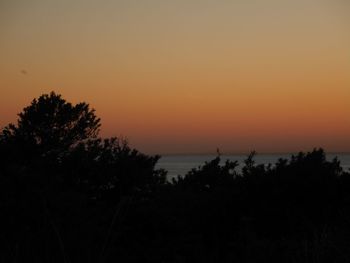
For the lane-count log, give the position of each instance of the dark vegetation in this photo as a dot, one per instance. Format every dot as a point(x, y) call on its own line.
point(67, 195)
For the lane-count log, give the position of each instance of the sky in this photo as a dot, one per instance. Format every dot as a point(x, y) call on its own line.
point(187, 76)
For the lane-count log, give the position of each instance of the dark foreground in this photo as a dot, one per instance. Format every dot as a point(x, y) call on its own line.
point(296, 211)
point(68, 196)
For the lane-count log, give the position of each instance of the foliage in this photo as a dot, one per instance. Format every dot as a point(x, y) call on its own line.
point(111, 166)
point(67, 195)
point(47, 129)
point(295, 210)
point(211, 175)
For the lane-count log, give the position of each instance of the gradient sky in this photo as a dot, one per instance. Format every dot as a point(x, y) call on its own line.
point(187, 76)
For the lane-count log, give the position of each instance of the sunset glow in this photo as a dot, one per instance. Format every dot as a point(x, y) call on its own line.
point(187, 76)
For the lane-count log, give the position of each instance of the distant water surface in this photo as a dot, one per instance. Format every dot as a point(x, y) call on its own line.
point(181, 164)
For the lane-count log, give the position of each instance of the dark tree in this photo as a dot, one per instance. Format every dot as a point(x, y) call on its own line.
point(62, 188)
point(54, 137)
point(50, 126)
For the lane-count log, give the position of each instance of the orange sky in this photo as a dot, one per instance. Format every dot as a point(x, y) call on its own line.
point(187, 76)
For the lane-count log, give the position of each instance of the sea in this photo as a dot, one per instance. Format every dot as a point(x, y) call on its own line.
point(181, 164)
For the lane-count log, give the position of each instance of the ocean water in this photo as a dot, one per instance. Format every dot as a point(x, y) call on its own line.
point(181, 164)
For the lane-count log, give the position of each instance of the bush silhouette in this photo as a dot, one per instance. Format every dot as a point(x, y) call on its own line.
point(67, 195)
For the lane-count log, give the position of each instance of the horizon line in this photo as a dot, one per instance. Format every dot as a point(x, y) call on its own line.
point(247, 153)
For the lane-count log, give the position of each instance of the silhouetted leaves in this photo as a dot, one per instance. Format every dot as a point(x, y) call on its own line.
point(48, 128)
point(58, 177)
point(67, 195)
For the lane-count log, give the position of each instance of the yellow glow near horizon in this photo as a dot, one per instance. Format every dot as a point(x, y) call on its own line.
point(187, 76)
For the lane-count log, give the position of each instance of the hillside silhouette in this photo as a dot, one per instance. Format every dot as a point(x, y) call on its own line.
point(68, 195)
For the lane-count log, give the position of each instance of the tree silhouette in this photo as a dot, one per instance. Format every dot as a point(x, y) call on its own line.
point(67, 195)
point(50, 126)
point(53, 167)
point(54, 137)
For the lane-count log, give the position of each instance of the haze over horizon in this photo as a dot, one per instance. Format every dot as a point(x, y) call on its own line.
point(187, 76)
